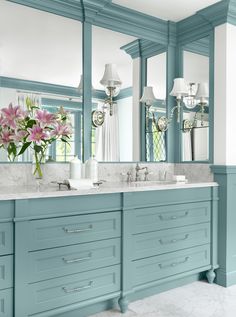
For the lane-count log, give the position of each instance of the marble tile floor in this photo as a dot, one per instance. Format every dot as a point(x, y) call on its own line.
point(198, 299)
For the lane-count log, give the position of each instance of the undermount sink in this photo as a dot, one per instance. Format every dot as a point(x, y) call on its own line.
point(151, 183)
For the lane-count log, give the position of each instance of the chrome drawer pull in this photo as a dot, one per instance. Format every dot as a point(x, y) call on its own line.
point(77, 289)
point(173, 264)
point(173, 217)
point(77, 230)
point(174, 240)
point(78, 260)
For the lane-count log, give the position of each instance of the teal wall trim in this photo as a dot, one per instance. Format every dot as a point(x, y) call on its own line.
point(77, 106)
point(29, 85)
point(68, 8)
point(225, 176)
point(87, 91)
point(124, 93)
point(143, 48)
point(106, 14)
point(143, 83)
point(200, 46)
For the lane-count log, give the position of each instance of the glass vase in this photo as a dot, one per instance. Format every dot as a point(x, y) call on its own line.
point(38, 158)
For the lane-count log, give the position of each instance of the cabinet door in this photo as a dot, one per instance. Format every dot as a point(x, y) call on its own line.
point(6, 271)
point(6, 238)
point(6, 303)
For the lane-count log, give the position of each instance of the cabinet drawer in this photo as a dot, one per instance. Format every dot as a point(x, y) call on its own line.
point(6, 238)
point(156, 218)
point(163, 241)
point(6, 303)
point(71, 289)
point(72, 230)
point(6, 271)
point(73, 259)
point(158, 267)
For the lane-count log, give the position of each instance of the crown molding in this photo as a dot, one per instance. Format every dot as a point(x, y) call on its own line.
point(199, 47)
point(70, 8)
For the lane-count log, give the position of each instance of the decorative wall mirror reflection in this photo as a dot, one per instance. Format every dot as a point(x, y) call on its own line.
point(112, 68)
point(41, 58)
point(195, 124)
point(156, 78)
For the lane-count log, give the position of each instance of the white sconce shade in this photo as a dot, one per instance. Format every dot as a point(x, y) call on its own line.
point(110, 77)
point(180, 88)
point(148, 96)
point(203, 92)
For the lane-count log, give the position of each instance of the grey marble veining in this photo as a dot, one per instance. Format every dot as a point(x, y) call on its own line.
point(192, 300)
point(194, 172)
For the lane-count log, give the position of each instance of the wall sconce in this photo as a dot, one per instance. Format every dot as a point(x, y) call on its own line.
point(202, 95)
point(148, 99)
point(179, 90)
point(112, 83)
point(190, 100)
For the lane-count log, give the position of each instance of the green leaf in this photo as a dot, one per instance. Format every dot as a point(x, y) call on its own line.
point(24, 147)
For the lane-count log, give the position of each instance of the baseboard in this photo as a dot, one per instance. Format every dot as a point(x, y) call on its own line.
point(225, 279)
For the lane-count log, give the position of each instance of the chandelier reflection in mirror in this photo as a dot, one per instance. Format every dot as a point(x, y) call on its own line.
point(190, 96)
point(201, 99)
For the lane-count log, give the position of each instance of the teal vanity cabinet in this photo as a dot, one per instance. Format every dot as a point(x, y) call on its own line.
point(6, 258)
point(67, 253)
point(167, 235)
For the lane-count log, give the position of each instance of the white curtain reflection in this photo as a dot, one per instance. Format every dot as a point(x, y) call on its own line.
point(107, 138)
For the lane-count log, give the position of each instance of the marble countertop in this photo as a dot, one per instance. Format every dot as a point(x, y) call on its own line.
point(51, 190)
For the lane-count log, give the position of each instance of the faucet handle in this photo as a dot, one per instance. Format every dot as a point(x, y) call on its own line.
point(146, 173)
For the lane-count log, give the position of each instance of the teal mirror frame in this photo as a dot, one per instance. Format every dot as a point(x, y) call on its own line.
point(172, 35)
point(210, 35)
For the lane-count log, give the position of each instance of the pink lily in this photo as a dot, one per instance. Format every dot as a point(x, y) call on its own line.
point(36, 134)
point(44, 117)
point(11, 114)
point(18, 136)
point(61, 130)
point(5, 138)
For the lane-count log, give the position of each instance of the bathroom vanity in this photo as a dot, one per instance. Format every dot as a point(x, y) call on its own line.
point(69, 252)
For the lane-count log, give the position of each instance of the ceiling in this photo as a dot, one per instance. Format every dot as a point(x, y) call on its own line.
point(173, 10)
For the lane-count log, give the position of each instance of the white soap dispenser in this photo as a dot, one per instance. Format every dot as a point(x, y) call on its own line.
point(91, 169)
point(75, 168)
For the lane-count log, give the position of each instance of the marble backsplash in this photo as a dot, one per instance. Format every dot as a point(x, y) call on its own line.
point(21, 174)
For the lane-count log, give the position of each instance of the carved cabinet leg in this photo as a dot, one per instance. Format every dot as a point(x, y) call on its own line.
point(123, 303)
point(210, 276)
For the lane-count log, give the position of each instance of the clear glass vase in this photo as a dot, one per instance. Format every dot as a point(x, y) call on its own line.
point(38, 158)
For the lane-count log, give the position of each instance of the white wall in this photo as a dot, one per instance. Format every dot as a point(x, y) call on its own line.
point(125, 128)
point(196, 68)
point(225, 109)
point(156, 75)
point(7, 96)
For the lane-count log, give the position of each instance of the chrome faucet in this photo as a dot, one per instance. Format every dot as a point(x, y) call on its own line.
point(137, 170)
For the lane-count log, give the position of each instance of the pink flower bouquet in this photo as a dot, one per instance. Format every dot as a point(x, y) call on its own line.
point(35, 128)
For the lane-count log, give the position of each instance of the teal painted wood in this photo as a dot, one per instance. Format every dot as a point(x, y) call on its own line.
point(143, 83)
point(170, 216)
point(87, 90)
point(200, 46)
point(124, 93)
point(55, 232)
point(159, 242)
point(74, 288)
point(166, 197)
point(6, 210)
point(65, 206)
point(47, 264)
point(70, 9)
point(211, 95)
point(6, 270)
point(170, 102)
point(226, 178)
point(159, 267)
point(6, 303)
point(6, 238)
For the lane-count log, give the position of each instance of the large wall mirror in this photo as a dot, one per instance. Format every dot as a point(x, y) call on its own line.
point(195, 125)
point(156, 78)
point(112, 140)
point(41, 61)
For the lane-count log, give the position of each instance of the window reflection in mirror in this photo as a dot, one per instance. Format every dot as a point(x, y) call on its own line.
point(195, 130)
point(156, 78)
point(41, 57)
point(113, 140)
